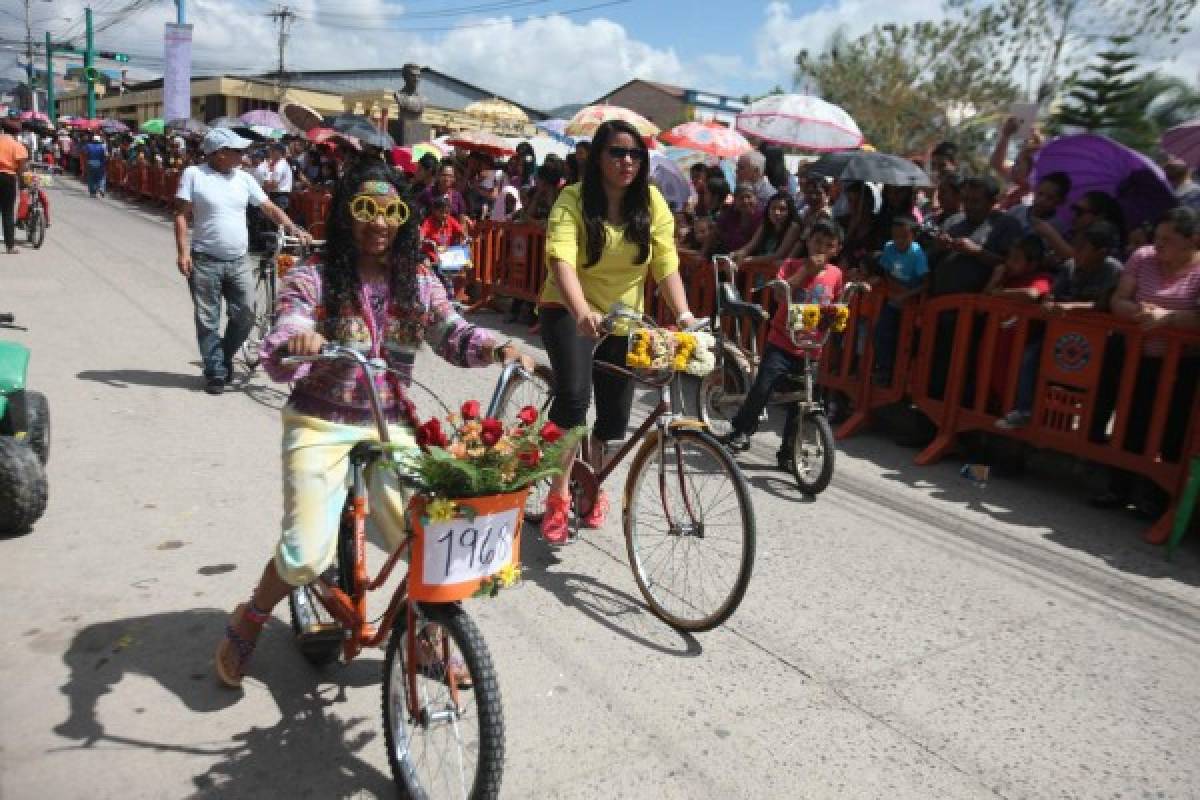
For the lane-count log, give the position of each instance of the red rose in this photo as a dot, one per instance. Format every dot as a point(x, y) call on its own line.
point(431, 434)
point(530, 458)
point(551, 433)
point(470, 410)
point(528, 415)
point(493, 429)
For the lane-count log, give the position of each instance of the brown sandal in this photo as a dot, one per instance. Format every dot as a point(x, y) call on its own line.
point(243, 648)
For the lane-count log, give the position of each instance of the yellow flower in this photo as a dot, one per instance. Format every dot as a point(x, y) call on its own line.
point(472, 429)
point(476, 452)
point(508, 575)
point(503, 446)
point(441, 510)
point(843, 316)
point(458, 450)
point(810, 315)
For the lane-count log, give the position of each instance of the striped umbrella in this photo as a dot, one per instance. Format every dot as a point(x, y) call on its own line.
point(585, 123)
point(708, 137)
point(480, 142)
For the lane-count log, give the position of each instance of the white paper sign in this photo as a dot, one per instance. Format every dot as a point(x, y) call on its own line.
point(455, 258)
point(177, 72)
point(460, 550)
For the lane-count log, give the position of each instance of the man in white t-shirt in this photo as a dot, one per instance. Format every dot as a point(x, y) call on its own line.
point(275, 176)
point(216, 195)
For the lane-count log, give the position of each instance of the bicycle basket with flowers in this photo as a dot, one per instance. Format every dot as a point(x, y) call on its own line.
point(475, 472)
point(659, 350)
point(818, 318)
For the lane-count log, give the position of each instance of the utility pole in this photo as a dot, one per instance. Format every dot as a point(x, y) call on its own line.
point(89, 57)
point(33, 104)
point(50, 80)
point(181, 12)
point(283, 17)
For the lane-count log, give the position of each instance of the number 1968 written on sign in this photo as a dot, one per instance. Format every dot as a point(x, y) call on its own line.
point(463, 550)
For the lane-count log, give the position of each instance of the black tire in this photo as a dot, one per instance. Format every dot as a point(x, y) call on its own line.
point(813, 452)
point(264, 314)
point(35, 227)
point(23, 490)
point(324, 648)
point(539, 393)
point(713, 386)
point(37, 416)
point(487, 732)
point(721, 478)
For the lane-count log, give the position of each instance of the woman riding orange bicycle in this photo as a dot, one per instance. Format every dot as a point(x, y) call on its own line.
point(604, 235)
point(368, 292)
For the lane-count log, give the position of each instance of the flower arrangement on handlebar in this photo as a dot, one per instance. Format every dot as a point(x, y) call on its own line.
point(466, 455)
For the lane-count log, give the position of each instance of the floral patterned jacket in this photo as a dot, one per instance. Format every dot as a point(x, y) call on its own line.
point(333, 391)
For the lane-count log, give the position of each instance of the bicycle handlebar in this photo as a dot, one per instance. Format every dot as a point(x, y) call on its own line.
point(370, 367)
point(610, 322)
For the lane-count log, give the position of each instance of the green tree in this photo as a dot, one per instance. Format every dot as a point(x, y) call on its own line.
point(910, 86)
point(1101, 100)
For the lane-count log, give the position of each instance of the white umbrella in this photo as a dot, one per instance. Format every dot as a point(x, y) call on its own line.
point(800, 121)
point(669, 178)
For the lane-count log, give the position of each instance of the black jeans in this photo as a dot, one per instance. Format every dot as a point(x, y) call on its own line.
point(775, 367)
point(575, 380)
point(8, 211)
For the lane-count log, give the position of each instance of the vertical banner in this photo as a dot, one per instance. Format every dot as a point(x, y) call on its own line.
point(177, 77)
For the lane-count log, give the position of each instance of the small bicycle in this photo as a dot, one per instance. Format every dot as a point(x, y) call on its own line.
point(722, 392)
point(286, 252)
point(687, 513)
point(35, 215)
point(442, 715)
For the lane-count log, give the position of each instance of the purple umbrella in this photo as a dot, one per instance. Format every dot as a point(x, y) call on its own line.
point(1183, 141)
point(1097, 163)
point(266, 118)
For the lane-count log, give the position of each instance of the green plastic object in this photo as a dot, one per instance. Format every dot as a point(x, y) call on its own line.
point(1187, 505)
point(14, 365)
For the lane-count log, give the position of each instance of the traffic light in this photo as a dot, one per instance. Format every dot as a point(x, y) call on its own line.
point(91, 74)
point(121, 57)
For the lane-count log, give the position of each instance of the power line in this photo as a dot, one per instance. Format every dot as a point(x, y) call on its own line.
point(283, 17)
point(321, 20)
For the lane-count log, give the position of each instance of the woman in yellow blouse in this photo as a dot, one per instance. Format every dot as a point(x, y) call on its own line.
point(604, 235)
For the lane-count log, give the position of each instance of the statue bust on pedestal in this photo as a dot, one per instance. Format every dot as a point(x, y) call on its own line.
point(408, 129)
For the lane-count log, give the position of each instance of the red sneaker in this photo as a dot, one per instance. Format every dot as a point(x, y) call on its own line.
point(595, 518)
point(555, 522)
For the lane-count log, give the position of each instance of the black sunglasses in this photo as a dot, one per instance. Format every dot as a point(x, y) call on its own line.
point(619, 153)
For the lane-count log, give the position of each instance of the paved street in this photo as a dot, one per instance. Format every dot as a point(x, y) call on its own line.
point(908, 635)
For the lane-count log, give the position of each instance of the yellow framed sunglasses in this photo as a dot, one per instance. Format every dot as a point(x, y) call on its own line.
point(366, 208)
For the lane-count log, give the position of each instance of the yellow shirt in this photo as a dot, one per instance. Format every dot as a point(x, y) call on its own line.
point(615, 277)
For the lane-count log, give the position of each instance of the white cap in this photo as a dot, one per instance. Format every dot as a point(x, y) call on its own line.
point(218, 138)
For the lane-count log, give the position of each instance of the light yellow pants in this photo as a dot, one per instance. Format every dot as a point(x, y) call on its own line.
point(316, 468)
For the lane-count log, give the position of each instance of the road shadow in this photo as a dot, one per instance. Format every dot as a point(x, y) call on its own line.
point(125, 378)
point(260, 389)
point(308, 746)
point(618, 611)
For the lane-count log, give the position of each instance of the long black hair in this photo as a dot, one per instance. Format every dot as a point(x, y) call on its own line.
point(339, 271)
point(635, 205)
point(768, 225)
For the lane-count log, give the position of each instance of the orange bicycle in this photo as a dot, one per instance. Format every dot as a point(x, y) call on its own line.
point(443, 723)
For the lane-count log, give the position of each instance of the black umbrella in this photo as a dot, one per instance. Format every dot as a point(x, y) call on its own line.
point(368, 134)
point(862, 165)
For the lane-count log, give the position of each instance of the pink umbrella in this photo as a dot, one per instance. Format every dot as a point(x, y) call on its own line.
point(708, 137)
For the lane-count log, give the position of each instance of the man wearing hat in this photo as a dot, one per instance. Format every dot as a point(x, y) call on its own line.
point(96, 155)
point(215, 194)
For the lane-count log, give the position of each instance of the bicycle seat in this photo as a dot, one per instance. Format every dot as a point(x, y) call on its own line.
point(733, 306)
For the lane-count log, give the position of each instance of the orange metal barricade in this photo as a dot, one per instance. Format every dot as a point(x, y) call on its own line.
point(170, 183)
point(487, 243)
point(522, 264)
point(1076, 369)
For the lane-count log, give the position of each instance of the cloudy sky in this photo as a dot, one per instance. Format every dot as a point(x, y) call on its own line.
point(541, 52)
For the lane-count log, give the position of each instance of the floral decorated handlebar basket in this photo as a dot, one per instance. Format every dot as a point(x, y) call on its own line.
point(814, 318)
point(466, 522)
point(657, 350)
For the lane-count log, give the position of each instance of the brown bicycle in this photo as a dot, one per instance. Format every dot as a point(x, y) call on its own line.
point(686, 512)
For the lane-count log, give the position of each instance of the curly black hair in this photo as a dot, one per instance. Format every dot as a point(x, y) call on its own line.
point(339, 271)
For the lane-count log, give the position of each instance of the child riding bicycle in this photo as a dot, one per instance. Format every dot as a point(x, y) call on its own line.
point(812, 279)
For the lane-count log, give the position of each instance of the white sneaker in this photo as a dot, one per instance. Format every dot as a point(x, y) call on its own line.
point(1013, 420)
